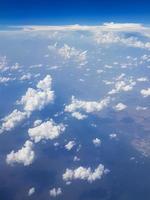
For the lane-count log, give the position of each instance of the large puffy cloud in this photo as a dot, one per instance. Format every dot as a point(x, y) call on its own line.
point(46, 130)
point(25, 155)
point(86, 106)
point(85, 173)
point(36, 99)
point(13, 119)
point(145, 92)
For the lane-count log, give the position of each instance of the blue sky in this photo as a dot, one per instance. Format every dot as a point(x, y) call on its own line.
point(73, 11)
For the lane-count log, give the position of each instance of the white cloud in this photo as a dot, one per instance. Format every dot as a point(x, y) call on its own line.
point(96, 142)
point(11, 120)
point(55, 192)
point(70, 52)
point(3, 64)
point(5, 79)
point(120, 106)
point(111, 37)
point(145, 92)
point(78, 115)
point(31, 191)
point(87, 106)
point(46, 130)
point(83, 173)
point(112, 135)
point(142, 79)
point(25, 77)
point(123, 86)
point(25, 155)
point(70, 145)
point(36, 99)
point(37, 122)
point(141, 108)
point(76, 158)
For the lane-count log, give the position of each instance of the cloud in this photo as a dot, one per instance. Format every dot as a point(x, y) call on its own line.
point(96, 142)
point(83, 173)
point(24, 156)
point(145, 92)
point(112, 135)
point(78, 115)
point(46, 130)
point(25, 77)
point(86, 106)
point(31, 191)
point(36, 99)
point(68, 52)
point(105, 27)
point(122, 85)
point(111, 37)
point(120, 106)
point(11, 120)
point(55, 192)
point(70, 145)
point(3, 64)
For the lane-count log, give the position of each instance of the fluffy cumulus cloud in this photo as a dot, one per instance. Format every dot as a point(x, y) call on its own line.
point(124, 86)
point(25, 155)
point(86, 106)
point(70, 145)
point(31, 191)
point(96, 142)
point(83, 173)
point(68, 52)
point(11, 120)
point(120, 106)
point(46, 130)
point(111, 37)
point(54, 192)
point(145, 92)
point(78, 115)
point(36, 99)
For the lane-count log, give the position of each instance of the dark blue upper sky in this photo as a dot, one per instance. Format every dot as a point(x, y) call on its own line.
point(73, 11)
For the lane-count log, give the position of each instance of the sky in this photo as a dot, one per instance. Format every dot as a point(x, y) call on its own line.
point(58, 12)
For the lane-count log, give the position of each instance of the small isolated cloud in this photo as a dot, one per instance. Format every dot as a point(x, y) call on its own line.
point(25, 77)
point(11, 120)
point(124, 86)
point(70, 145)
point(120, 106)
point(145, 92)
point(78, 115)
point(96, 142)
point(86, 106)
point(31, 191)
point(55, 192)
point(24, 156)
point(83, 173)
point(46, 130)
point(112, 135)
point(76, 158)
point(36, 99)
